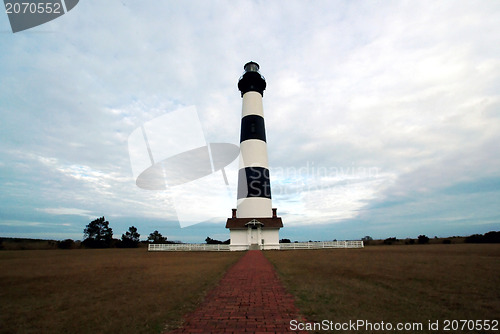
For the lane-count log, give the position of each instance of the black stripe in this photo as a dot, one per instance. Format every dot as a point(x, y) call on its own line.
point(252, 127)
point(254, 182)
point(252, 81)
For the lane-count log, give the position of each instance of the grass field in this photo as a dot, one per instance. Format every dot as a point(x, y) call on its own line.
point(394, 284)
point(103, 291)
point(133, 291)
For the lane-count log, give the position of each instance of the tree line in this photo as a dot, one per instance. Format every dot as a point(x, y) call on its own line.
point(490, 237)
point(98, 234)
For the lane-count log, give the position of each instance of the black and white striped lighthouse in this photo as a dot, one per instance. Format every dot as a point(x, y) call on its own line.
point(254, 188)
point(254, 213)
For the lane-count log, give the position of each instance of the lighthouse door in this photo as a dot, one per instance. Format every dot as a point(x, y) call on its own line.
point(254, 237)
point(254, 233)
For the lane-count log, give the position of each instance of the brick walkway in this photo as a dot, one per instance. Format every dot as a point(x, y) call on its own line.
point(248, 299)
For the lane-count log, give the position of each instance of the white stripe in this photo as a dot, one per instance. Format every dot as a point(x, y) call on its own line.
point(253, 153)
point(254, 207)
point(252, 104)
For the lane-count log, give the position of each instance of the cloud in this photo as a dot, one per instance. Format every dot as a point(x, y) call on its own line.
point(67, 211)
point(312, 195)
point(408, 88)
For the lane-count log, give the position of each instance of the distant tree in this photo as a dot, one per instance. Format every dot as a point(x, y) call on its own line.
point(285, 241)
point(65, 244)
point(98, 234)
point(409, 241)
point(423, 239)
point(390, 241)
point(156, 238)
point(131, 238)
point(475, 238)
point(366, 239)
point(490, 237)
point(211, 241)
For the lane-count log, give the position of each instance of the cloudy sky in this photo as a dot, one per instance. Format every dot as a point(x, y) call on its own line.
point(382, 117)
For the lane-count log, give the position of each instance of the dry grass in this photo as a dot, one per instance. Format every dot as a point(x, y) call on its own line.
point(133, 291)
point(103, 291)
point(394, 283)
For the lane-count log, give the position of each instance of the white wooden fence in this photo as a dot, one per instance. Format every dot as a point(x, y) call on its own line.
point(187, 247)
point(294, 245)
point(322, 244)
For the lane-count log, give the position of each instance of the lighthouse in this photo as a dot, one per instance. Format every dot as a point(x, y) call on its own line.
point(254, 223)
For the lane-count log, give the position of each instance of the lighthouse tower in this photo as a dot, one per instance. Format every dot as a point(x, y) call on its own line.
point(254, 223)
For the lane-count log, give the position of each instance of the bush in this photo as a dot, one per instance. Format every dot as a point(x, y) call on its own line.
point(475, 238)
point(446, 241)
point(66, 244)
point(490, 237)
point(423, 239)
point(211, 241)
point(389, 241)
